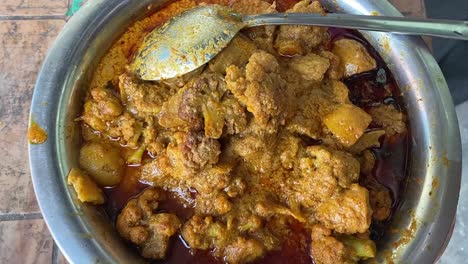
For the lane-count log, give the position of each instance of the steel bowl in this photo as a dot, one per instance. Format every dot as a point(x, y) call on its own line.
point(422, 223)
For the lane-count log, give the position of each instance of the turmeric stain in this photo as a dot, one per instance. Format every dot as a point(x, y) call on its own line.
point(36, 135)
point(445, 161)
point(434, 186)
point(385, 44)
point(406, 235)
point(435, 183)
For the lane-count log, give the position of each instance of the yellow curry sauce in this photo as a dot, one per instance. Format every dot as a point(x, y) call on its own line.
point(36, 135)
point(285, 148)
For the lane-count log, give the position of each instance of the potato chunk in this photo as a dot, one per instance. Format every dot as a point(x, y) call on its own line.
point(103, 162)
point(354, 57)
point(364, 248)
point(347, 123)
point(368, 140)
point(86, 189)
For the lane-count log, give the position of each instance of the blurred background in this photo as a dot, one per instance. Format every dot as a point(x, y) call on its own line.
point(452, 55)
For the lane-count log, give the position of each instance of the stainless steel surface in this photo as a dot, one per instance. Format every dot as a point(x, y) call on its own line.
point(206, 30)
point(457, 248)
point(83, 232)
point(452, 29)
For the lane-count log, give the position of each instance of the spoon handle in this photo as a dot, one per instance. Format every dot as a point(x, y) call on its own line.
point(452, 29)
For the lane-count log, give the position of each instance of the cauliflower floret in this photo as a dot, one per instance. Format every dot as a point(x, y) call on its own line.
point(151, 231)
point(261, 89)
point(392, 120)
point(143, 98)
point(300, 40)
point(324, 173)
point(325, 248)
point(348, 213)
point(244, 250)
point(262, 36)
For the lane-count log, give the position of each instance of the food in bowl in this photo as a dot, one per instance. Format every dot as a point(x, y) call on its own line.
point(289, 146)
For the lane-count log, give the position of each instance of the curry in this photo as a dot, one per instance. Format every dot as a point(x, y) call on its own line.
point(36, 135)
point(289, 146)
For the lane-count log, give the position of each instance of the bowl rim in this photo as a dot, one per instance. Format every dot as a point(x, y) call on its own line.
point(61, 69)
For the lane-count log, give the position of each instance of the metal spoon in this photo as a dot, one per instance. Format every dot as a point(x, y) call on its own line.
point(194, 37)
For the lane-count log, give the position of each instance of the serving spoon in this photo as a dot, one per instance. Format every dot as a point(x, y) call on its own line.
point(194, 37)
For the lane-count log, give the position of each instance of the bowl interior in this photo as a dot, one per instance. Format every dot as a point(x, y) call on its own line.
point(421, 224)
